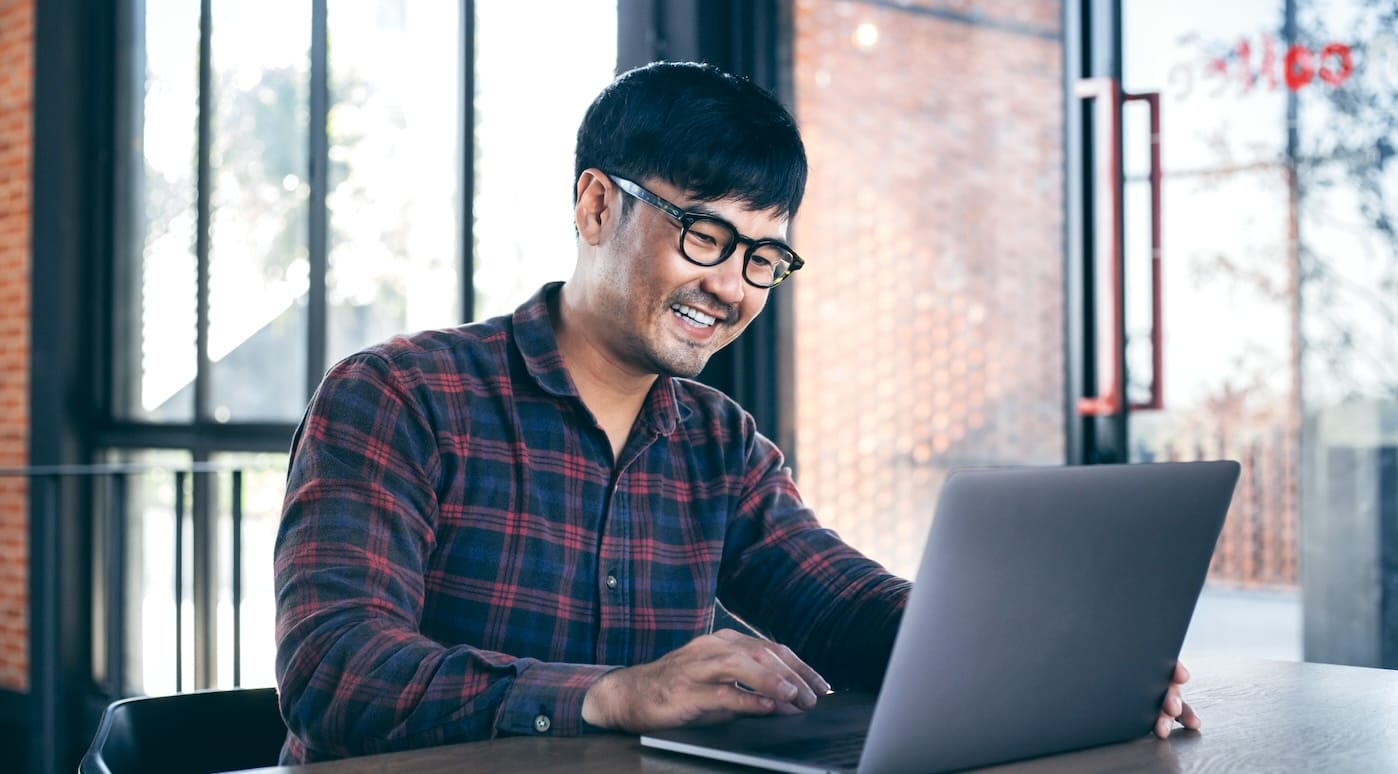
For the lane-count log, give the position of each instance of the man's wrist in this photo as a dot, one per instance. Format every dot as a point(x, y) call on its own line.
point(596, 701)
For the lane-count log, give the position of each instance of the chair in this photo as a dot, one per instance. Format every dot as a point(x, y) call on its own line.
point(195, 733)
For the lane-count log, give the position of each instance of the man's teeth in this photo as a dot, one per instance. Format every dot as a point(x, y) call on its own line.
point(695, 315)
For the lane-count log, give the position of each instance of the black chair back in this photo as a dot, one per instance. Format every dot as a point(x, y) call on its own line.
point(200, 732)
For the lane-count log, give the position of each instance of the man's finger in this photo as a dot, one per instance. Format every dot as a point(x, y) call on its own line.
point(1190, 718)
point(736, 698)
point(1181, 674)
point(1163, 724)
point(742, 671)
point(805, 692)
point(1173, 704)
point(783, 662)
point(808, 675)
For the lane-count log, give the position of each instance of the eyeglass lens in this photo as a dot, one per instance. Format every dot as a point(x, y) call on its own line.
point(707, 242)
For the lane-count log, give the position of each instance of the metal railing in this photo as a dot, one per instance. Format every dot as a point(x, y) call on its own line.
point(1260, 543)
point(103, 490)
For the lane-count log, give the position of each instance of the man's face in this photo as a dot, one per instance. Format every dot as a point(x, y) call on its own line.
point(670, 315)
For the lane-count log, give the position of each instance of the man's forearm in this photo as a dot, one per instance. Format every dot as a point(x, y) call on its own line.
point(369, 689)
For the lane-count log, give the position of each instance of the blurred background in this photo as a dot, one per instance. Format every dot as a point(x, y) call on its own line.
point(1036, 232)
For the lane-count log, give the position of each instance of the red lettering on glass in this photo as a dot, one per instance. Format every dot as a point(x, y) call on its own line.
point(1268, 68)
point(1299, 67)
point(1244, 52)
point(1335, 51)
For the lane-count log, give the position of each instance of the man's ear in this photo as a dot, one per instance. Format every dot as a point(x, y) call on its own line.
point(592, 214)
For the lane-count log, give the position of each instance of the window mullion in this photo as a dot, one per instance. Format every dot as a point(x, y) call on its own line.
point(319, 223)
point(203, 210)
point(467, 186)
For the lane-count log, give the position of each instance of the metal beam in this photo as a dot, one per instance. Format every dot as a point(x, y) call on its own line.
point(319, 220)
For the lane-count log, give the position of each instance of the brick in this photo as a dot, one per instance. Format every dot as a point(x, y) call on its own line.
point(905, 196)
point(936, 175)
point(16, 63)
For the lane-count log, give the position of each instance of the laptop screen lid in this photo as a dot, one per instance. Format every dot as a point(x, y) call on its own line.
point(1048, 611)
point(1047, 615)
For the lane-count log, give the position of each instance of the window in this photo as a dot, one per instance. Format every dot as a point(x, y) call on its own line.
point(527, 118)
point(323, 155)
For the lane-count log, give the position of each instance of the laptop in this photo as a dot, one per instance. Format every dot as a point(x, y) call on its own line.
point(1047, 615)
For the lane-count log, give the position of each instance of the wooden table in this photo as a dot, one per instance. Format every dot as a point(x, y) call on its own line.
point(1258, 716)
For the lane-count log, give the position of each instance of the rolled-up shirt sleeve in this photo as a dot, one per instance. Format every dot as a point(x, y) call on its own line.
point(355, 674)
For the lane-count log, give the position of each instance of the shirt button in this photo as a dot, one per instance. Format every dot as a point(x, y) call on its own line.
point(611, 581)
point(542, 724)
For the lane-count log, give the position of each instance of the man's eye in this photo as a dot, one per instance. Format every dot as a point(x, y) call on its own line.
point(760, 261)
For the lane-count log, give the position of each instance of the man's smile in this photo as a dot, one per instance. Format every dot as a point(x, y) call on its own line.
point(693, 316)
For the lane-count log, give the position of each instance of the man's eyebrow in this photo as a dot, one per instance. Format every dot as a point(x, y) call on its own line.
point(703, 208)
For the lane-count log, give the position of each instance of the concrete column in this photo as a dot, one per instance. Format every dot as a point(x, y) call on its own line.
point(1349, 535)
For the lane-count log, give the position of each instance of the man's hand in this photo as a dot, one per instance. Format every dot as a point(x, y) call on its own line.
point(715, 677)
point(1174, 707)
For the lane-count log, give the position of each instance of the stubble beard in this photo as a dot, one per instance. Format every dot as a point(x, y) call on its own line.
point(677, 360)
point(686, 358)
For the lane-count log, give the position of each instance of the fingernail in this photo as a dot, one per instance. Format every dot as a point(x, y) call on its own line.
point(787, 690)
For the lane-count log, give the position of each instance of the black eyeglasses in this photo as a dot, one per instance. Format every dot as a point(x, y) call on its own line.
point(709, 241)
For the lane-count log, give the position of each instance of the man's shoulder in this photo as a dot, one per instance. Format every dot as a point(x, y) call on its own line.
point(421, 358)
point(454, 347)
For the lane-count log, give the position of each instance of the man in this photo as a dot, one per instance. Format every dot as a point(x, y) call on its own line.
point(521, 526)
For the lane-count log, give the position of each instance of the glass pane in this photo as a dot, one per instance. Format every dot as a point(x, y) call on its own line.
point(1347, 197)
point(1347, 187)
point(1228, 294)
point(395, 169)
point(258, 270)
point(263, 488)
point(929, 315)
point(1232, 395)
point(527, 118)
point(1280, 302)
point(161, 372)
point(150, 552)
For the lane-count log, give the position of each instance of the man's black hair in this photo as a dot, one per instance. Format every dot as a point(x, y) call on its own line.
point(711, 134)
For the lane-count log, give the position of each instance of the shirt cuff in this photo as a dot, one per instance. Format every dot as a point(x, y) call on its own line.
point(546, 700)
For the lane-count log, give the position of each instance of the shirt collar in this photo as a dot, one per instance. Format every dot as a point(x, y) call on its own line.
point(537, 343)
point(534, 336)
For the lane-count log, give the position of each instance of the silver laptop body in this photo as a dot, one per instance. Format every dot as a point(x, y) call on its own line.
point(1047, 616)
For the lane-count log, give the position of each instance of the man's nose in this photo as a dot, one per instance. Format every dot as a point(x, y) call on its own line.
point(725, 281)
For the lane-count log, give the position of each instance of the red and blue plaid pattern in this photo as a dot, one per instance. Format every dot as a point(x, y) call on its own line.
point(459, 557)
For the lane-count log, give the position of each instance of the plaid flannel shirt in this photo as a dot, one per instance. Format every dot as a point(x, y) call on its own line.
point(460, 557)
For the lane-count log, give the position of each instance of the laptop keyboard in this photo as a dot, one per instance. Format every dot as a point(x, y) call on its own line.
point(841, 751)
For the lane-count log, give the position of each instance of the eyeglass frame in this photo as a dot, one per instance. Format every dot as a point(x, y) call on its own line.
point(687, 218)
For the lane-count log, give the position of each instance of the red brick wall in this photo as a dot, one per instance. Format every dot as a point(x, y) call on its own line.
point(16, 114)
point(929, 314)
